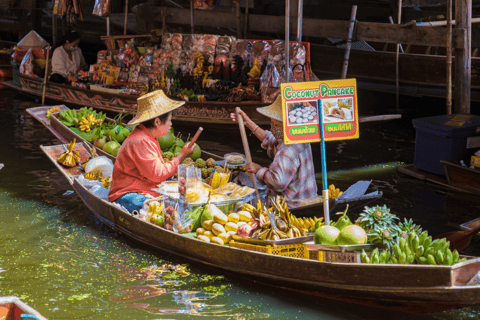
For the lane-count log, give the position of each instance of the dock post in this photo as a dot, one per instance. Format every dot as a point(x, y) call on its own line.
point(397, 59)
point(349, 42)
point(463, 56)
point(126, 18)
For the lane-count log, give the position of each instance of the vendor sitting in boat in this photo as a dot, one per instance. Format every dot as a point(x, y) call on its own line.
point(139, 166)
point(67, 59)
point(291, 174)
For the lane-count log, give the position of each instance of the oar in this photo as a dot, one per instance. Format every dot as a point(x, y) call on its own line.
point(45, 77)
point(460, 240)
point(247, 150)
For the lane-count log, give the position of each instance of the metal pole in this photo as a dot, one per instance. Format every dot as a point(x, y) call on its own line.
point(449, 56)
point(126, 18)
point(287, 40)
point(299, 20)
point(192, 28)
point(246, 19)
point(349, 42)
point(397, 59)
point(326, 209)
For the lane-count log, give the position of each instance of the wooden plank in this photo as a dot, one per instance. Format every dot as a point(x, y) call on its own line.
point(463, 64)
point(367, 31)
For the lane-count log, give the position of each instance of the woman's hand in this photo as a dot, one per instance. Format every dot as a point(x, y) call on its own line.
point(252, 167)
point(187, 151)
point(233, 116)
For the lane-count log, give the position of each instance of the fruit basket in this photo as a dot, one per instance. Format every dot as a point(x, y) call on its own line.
point(262, 242)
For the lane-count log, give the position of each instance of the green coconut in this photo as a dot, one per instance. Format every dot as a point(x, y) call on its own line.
point(196, 153)
point(166, 141)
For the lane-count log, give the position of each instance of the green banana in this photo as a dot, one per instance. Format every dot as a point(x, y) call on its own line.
point(420, 251)
point(439, 257)
point(403, 258)
point(415, 243)
point(402, 243)
point(422, 237)
point(431, 260)
point(396, 250)
point(410, 259)
point(363, 256)
point(427, 242)
point(394, 260)
point(423, 260)
point(455, 256)
point(375, 258)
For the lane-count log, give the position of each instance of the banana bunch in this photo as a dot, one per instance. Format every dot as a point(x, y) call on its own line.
point(155, 207)
point(68, 117)
point(93, 154)
point(69, 158)
point(74, 118)
point(88, 122)
point(106, 182)
point(283, 221)
point(306, 223)
point(333, 192)
point(192, 196)
point(255, 211)
point(412, 250)
point(93, 175)
point(54, 109)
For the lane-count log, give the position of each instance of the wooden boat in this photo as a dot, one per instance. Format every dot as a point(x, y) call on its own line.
point(65, 134)
point(12, 308)
point(409, 288)
point(457, 177)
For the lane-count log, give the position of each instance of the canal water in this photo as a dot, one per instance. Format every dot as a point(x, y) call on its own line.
point(58, 258)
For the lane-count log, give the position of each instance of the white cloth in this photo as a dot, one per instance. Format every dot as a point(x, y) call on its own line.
point(63, 65)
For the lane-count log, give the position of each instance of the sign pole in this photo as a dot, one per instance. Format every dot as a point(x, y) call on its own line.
point(326, 209)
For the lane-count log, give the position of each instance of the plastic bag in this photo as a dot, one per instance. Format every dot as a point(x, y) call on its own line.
point(177, 40)
point(89, 183)
point(102, 8)
point(26, 67)
point(100, 191)
point(243, 48)
point(167, 41)
point(188, 42)
point(174, 215)
point(100, 164)
point(260, 52)
point(270, 84)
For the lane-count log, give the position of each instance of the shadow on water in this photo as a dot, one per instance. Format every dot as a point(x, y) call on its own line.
point(61, 260)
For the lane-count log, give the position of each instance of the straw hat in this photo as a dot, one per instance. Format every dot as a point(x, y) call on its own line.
point(274, 110)
point(154, 104)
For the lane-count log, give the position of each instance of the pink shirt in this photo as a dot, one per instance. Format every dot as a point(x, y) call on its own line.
point(139, 166)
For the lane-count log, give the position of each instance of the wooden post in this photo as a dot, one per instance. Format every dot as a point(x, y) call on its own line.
point(391, 22)
point(463, 62)
point(108, 26)
point(54, 30)
point(192, 28)
point(239, 21)
point(45, 76)
point(246, 19)
point(349, 42)
point(126, 18)
point(449, 56)
point(397, 59)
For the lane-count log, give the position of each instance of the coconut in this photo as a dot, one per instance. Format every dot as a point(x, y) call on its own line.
point(352, 234)
point(166, 141)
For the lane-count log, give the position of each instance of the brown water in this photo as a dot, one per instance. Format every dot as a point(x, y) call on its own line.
point(58, 258)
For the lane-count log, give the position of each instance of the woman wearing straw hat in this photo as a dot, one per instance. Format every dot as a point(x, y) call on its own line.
point(291, 174)
point(139, 166)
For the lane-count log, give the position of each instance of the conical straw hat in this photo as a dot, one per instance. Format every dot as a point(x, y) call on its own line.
point(274, 110)
point(32, 40)
point(154, 104)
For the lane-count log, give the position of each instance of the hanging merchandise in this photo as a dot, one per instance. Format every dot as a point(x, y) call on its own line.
point(72, 10)
point(270, 84)
point(260, 51)
point(102, 8)
point(26, 67)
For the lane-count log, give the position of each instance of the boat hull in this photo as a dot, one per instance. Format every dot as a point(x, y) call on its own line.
point(407, 288)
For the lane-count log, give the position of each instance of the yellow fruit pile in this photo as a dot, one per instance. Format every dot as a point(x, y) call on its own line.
point(88, 122)
point(305, 223)
point(219, 179)
point(333, 192)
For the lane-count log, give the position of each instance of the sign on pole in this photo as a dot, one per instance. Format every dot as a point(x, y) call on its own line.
point(320, 111)
point(336, 98)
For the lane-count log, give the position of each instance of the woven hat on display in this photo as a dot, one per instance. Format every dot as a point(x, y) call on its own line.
point(153, 105)
point(273, 111)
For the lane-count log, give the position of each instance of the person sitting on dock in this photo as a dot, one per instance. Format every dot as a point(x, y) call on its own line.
point(291, 174)
point(67, 59)
point(139, 166)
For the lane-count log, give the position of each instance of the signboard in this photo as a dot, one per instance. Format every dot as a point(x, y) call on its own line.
point(335, 99)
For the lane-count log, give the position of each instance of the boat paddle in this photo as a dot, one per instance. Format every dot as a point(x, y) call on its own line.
point(246, 148)
point(460, 240)
point(45, 76)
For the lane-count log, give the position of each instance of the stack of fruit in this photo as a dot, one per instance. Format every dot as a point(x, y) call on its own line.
point(70, 158)
point(84, 118)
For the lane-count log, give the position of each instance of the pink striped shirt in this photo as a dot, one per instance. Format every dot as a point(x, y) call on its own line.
point(139, 166)
point(291, 173)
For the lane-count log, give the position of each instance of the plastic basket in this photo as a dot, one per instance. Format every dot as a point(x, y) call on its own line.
point(335, 256)
point(298, 250)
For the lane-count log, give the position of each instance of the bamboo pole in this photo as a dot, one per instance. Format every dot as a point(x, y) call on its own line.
point(391, 21)
point(45, 76)
point(397, 59)
point(349, 42)
point(246, 148)
point(126, 18)
point(287, 40)
point(108, 26)
point(442, 23)
point(449, 56)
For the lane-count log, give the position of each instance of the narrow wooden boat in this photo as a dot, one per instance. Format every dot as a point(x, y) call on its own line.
point(212, 115)
point(407, 288)
point(12, 308)
point(65, 134)
point(457, 177)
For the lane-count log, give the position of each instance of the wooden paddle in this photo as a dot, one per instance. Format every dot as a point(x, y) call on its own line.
point(460, 240)
point(45, 77)
point(247, 150)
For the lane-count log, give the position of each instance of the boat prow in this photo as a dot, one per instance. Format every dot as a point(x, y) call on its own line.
point(12, 308)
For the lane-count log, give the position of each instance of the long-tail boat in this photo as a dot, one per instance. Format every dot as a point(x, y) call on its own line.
point(65, 134)
point(408, 288)
point(12, 308)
